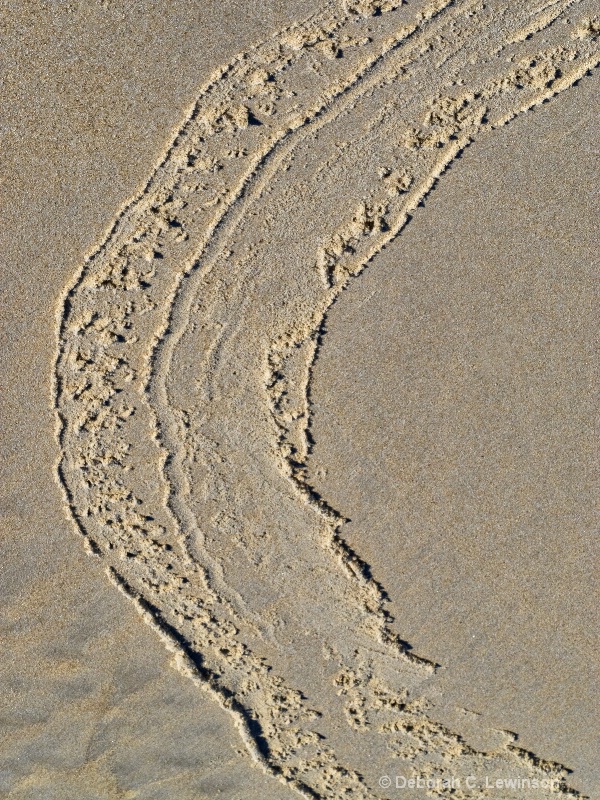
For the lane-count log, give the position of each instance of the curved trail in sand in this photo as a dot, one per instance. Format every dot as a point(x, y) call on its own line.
point(185, 360)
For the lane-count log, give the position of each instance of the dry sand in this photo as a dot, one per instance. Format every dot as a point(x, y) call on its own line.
point(298, 343)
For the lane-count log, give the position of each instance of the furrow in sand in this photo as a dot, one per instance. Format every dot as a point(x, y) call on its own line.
point(265, 166)
point(308, 710)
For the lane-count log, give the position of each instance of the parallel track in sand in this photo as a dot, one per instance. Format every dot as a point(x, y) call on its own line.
point(186, 348)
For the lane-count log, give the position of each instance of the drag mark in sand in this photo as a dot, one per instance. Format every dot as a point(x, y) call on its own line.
point(185, 359)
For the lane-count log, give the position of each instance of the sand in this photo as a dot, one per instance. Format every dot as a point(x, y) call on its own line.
point(299, 457)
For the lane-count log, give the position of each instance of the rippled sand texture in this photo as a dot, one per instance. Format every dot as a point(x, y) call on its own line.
point(184, 370)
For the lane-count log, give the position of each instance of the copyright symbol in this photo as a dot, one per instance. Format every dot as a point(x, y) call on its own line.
point(385, 781)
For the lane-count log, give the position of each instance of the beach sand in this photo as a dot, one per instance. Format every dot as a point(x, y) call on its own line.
point(298, 340)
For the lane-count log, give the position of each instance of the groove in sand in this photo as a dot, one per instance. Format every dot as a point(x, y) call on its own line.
point(219, 538)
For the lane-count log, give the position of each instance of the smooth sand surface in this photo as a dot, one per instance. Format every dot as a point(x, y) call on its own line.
point(476, 508)
point(319, 380)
